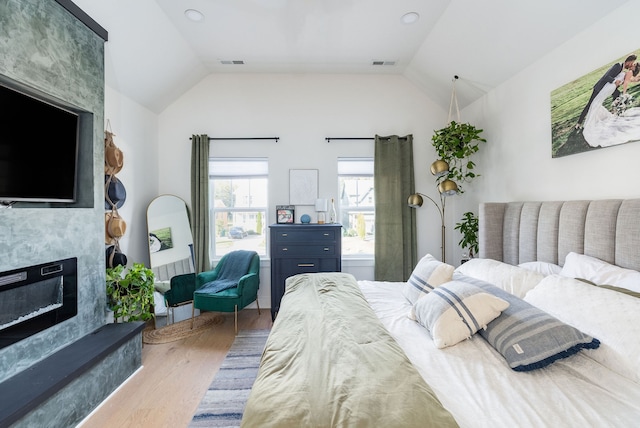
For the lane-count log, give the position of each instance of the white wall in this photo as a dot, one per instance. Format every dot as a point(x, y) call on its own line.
point(136, 134)
point(302, 110)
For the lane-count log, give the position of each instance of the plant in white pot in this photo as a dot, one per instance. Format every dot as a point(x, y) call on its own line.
point(130, 293)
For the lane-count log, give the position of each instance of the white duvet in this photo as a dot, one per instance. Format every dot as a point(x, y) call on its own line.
point(475, 384)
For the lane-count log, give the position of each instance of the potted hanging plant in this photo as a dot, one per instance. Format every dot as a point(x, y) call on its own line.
point(130, 293)
point(468, 227)
point(455, 144)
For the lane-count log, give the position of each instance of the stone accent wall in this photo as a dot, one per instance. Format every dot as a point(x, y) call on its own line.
point(48, 52)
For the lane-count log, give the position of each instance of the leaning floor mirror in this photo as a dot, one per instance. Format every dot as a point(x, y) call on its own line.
point(170, 247)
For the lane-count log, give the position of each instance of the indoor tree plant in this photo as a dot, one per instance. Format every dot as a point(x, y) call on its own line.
point(130, 293)
point(468, 227)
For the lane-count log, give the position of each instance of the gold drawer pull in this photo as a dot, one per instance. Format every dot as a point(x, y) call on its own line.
point(326, 234)
point(285, 249)
point(306, 265)
point(284, 234)
point(326, 248)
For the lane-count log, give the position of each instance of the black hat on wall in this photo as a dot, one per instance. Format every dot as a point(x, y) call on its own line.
point(114, 192)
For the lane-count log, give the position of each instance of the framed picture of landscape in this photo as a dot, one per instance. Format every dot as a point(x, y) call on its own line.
point(600, 109)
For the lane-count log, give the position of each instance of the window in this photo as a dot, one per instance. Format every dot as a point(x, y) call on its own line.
point(356, 205)
point(238, 204)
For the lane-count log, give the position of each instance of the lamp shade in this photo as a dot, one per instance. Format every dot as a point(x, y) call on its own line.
point(321, 205)
point(415, 201)
point(448, 188)
point(439, 168)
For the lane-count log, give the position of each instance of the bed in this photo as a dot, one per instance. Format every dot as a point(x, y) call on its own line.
point(542, 331)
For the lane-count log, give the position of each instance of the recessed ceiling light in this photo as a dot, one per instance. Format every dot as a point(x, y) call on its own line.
point(410, 17)
point(194, 15)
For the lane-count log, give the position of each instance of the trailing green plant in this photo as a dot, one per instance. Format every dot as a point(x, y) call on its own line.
point(468, 227)
point(455, 144)
point(130, 293)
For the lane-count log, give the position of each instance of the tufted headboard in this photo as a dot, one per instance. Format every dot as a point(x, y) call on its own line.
point(518, 232)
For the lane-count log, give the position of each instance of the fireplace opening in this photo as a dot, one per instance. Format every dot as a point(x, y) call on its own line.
point(35, 298)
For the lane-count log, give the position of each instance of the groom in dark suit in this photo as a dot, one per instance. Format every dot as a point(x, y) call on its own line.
point(606, 78)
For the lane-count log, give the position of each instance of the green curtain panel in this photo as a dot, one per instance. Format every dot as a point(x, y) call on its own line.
point(200, 201)
point(395, 224)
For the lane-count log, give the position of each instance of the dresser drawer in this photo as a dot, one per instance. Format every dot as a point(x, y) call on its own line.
point(292, 267)
point(306, 235)
point(293, 250)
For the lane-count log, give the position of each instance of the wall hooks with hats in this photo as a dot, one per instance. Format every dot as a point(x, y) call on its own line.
point(113, 156)
point(115, 193)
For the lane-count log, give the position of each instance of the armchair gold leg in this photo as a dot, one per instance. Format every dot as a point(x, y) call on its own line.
point(193, 311)
point(236, 318)
point(258, 304)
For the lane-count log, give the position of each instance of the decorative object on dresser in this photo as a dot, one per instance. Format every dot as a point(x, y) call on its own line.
point(333, 216)
point(300, 248)
point(285, 214)
point(321, 208)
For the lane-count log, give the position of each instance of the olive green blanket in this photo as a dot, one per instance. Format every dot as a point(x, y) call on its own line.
point(329, 362)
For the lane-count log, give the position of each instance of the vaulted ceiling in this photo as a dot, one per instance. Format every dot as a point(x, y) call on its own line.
point(154, 53)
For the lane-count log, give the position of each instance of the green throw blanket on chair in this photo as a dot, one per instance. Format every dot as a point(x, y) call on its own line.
point(236, 265)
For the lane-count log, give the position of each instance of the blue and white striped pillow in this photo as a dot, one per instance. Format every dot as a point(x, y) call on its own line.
point(428, 274)
point(527, 337)
point(455, 311)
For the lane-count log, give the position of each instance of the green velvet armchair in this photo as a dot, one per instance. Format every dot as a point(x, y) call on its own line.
point(243, 292)
point(181, 291)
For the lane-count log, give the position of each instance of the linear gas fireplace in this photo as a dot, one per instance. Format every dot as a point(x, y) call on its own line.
point(34, 298)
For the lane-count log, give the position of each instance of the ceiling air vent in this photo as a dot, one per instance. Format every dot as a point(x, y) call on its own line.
point(375, 62)
point(235, 62)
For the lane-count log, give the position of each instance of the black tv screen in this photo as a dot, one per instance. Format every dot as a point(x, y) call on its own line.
point(38, 149)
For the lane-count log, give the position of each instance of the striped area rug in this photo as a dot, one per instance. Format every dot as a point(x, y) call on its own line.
point(224, 401)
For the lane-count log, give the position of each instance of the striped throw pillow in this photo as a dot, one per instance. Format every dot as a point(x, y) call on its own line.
point(428, 274)
point(528, 337)
point(456, 311)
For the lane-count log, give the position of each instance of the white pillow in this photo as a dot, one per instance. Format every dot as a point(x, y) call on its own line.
point(456, 311)
point(428, 274)
point(544, 268)
point(600, 272)
point(513, 279)
point(610, 316)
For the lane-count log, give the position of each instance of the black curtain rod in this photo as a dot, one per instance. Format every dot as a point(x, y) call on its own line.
point(348, 138)
point(244, 138)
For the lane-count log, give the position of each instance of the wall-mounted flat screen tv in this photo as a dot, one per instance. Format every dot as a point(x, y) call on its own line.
point(38, 149)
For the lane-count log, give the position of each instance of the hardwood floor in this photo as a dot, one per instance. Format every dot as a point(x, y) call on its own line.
point(166, 391)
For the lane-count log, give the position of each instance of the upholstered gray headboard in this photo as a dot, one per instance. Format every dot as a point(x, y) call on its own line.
point(518, 232)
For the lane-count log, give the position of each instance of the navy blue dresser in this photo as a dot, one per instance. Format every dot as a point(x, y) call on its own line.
point(302, 248)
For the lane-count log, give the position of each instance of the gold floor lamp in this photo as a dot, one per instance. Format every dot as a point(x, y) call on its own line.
point(446, 188)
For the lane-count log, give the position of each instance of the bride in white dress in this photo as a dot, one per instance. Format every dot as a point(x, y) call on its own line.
point(603, 128)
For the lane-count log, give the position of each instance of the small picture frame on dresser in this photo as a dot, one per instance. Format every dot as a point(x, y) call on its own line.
point(285, 214)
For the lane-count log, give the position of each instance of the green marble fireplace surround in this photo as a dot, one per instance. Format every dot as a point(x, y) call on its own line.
point(46, 51)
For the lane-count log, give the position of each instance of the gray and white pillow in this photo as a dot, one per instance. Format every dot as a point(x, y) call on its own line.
point(527, 337)
point(428, 274)
point(455, 311)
